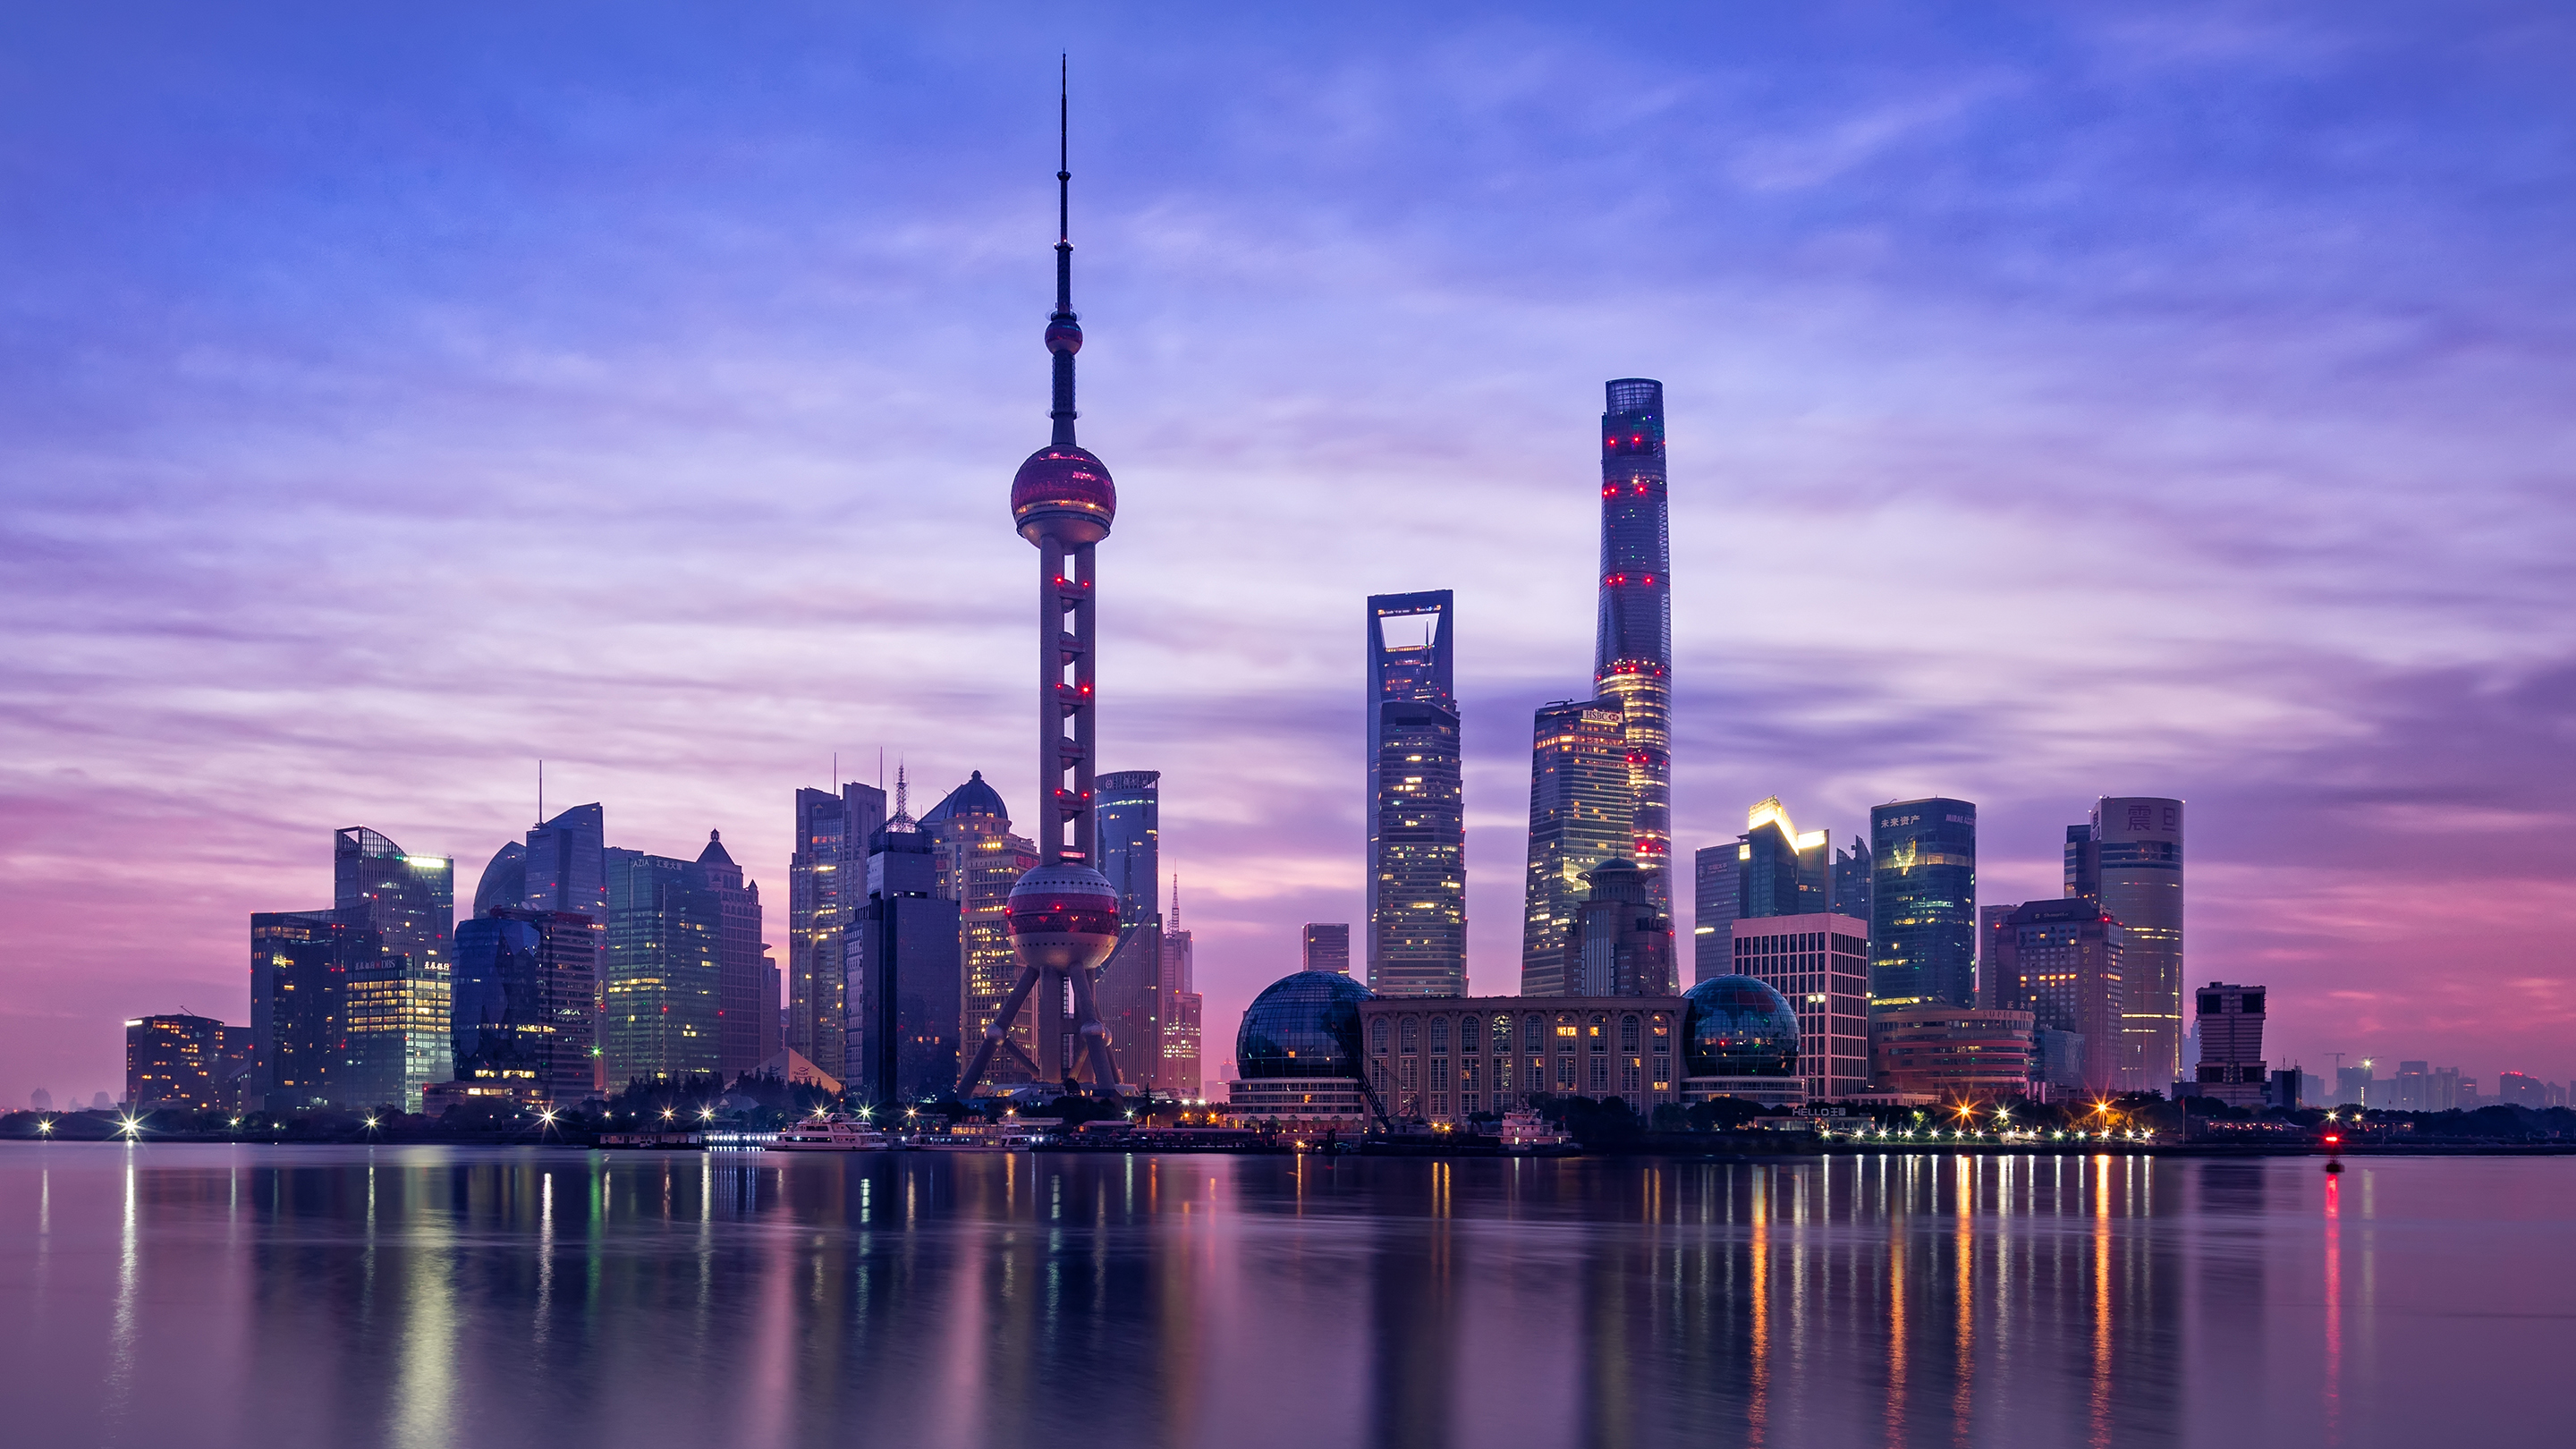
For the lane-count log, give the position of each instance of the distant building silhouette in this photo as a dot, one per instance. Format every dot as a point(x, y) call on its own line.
point(903, 977)
point(1923, 903)
point(1184, 1030)
point(2064, 962)
point(1417, 858)
point(2128, 859)
point(826, 889)
point(1619, 943)
point(1582, 801)
point(396, 1013)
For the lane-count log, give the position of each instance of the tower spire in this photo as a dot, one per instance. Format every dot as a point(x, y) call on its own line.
point(1064, 329)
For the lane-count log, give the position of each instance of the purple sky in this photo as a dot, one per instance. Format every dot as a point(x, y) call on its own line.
point(2059, 404)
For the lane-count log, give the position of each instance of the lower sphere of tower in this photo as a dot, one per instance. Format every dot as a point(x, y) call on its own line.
point(1063, 917)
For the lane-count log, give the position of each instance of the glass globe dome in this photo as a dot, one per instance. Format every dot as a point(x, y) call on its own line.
point(1735, 1026)
point(1305, 1025)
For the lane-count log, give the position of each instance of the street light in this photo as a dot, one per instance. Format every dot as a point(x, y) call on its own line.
point(45, 1127)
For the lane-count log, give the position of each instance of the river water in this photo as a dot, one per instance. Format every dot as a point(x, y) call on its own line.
point(171, 1295)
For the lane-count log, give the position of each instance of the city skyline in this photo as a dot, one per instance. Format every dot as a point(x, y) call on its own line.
point(2375, 740)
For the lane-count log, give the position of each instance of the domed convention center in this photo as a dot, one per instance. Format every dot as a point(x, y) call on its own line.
point(1297, 1054)
point(1740, 1039)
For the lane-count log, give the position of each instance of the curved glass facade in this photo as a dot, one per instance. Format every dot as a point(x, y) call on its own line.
point(1735, 1026)
point(1305, 1025)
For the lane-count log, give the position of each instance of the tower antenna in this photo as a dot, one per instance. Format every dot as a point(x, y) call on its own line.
point(541, 792)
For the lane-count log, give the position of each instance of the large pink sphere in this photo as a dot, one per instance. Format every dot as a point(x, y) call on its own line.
point(1064, 491)
point(1063, 916)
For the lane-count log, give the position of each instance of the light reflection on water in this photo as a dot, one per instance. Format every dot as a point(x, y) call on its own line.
point(436, 1296)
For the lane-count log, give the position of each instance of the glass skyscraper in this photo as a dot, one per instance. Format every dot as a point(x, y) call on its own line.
point(299, 966)
point(397, 1011)
point(825, 891)
point(665, 987)
point(1417, 847)
point(1581, 802)
point(2128, 861)
point(1633, 649)
point(1923, 903)
point(903, 984)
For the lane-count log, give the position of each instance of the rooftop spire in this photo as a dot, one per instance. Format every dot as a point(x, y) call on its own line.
point(1064, 330)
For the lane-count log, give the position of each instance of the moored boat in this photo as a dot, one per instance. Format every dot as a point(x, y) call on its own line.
point(834, 1133)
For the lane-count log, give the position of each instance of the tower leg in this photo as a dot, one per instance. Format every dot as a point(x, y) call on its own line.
point(996, 1031)
point(1091, 1034)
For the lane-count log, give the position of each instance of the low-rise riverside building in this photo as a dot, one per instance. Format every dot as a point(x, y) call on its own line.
point(1447, 1059)
point(1954, 1053)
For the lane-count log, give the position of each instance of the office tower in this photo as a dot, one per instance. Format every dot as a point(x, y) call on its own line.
point(176, 1062)
point(300, 965)
point(2445, 1090)
point(1780, 871)
point(1580, 817)
point(1417, 860)
point(2408, 1091)
point(2231, 1069)
point(1326, 947)
point(567, 870)
point(396, 1011)
point(739, 975)
point(2358, 1087)
point(979, 862)
point(504, 881)
point(1064, 913)
point(826, 887)
point(1820, 963)
point(2065, 962)
point(2129, 860)
point(1923, 903)
point(1633, 655)
point(1617, 945)
point(1850, 876)
point(773, 1016)
point(903, 982)
point(1717, 893)
point(666, 926)
point(1129, 985)
point(526, 993)
point(1183, 1029)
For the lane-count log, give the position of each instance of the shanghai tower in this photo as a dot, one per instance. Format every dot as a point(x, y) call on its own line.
point(1633, 654)
point(1064, 915)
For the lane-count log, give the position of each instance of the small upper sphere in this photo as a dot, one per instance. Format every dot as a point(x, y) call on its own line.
point(1064, 336)
point(1064, 491)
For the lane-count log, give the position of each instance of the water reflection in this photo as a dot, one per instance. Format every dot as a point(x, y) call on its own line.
point(433, 1296)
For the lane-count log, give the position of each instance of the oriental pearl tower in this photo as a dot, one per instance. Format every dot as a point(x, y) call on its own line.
point(1063, 916)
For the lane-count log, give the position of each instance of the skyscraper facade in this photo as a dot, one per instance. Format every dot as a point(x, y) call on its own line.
point(2231, 1017)
point(826, 889)
point(1820, 963)
point(397, 1011)
point(1326, 946)
point(1183, 1030)
point(903, 982)
point(1133, 1004)
point(566, 869)
point(1923, 903)
point(1618, 943)
point(1717, 892)
point(1417, 847)
point(979, 861)
point(1633, 652)
point(2063, 961)
point(300, 964)
point(1581, 808)
point(525, 991)
point(740, 977)
point(176, 1062)
point(665, 970)
point(2128, 860)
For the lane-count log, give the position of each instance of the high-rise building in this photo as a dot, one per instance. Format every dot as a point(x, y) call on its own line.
point(525, 991)
point(740, 978)
point(1327, 947)
point(504, 882)
point(566, 869)
point(1183, 1029)
point(1129, 984)
point(2230, 1018)
point(1063, 913)
point(2063, 961)
point(2128, 860)
point(1617, 944)
point(903, 983)
point(1581, 801)
point(979, 862)
point(666, 928)
point(396, 1010)
point(1417, 848)
point(176, 1062)
point(1923, 903)
point(1851, 880)
point(1717, 881)
point(300, 962)
point(826, 889)
point(1820, 963)
point(1633, 651)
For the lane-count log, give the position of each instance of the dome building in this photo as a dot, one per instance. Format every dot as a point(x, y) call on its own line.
point(1740, 1039)
point(1297, 1054)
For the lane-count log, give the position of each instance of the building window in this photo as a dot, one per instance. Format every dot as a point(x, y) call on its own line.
point(1533, 1033)
point(1502, 1035)
point(1663, 1072)
point(1466, 1074)
point(1599, 1034)
point(1600, 1075)
point(1377, 1035)
point(1565, 1074)
point(1440, 1074)
point(1628, 1034)
point(1440, 1033)
point(1404, 1074)
point(1467, 1104)
point(1407, 1035)
point(1628, 1077)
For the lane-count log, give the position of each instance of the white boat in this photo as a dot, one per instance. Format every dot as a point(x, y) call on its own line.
point(974, 1141)
point(835, 1133)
